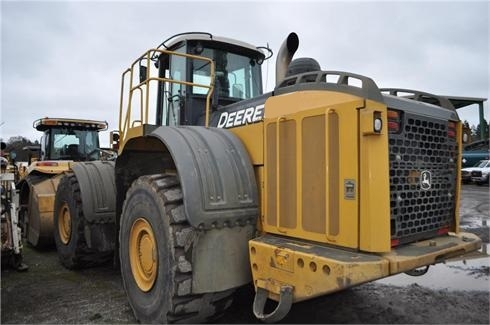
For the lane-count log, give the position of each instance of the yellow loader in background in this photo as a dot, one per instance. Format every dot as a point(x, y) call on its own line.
point(64, 143)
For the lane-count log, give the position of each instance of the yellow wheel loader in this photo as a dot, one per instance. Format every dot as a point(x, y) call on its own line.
point(64, 143)
point(320, 185)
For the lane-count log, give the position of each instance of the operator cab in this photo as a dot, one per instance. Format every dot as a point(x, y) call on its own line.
point(68, 139)
point(238, 76)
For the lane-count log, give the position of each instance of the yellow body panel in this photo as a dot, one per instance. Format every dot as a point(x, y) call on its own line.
point(459, 139)
point(295, 102)
point(431, 251)
point(132, 132)
point(325, 198)
point(374, 210)
point(41, 200)
point(41, 210)
point(57, 167)
point(310, 271)
point(312, 173)
point(252, 137)
point(314, 269)
point(259, 178)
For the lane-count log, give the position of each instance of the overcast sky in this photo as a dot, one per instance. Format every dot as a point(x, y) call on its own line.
point(65, 59)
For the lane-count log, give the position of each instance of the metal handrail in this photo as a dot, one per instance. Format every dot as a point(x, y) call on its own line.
point(144, 88)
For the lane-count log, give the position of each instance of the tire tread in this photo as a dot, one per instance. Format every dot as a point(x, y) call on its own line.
point(185, 307)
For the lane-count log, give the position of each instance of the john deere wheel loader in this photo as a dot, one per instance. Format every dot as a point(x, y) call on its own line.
point(323, 184)
point(63, 143)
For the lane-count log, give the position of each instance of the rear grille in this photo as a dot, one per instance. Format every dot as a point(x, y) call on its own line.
point(423, 169)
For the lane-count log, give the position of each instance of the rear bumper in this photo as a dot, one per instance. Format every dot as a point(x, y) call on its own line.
point(481, 179)
point(432, 251)
point(466, 178)
point(313, 270)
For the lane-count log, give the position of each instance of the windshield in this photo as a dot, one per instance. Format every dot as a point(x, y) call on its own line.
point(482, 163)
point(69, 144)
point(237, 76)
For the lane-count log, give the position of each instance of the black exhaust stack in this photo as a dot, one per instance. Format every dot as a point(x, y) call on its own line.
point(285, 55)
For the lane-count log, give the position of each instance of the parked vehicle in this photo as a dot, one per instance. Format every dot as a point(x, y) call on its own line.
point(479, 175)
point(64, 142)
point(466, 172)
point(475, 152)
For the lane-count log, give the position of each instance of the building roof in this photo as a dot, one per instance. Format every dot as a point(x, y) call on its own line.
point(460, 102)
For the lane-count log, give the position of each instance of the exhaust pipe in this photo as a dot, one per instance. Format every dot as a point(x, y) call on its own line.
point(285, 55)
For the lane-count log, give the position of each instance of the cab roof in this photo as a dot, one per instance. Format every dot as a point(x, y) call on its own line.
point(43, 124)
point(173, 40)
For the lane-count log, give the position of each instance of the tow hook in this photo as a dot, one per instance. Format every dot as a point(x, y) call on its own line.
point(282, 308)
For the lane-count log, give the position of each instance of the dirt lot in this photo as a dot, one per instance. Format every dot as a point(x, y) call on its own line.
point(456, 293)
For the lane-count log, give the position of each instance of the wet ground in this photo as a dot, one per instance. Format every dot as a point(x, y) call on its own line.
point(470, 274)
point(454, 292)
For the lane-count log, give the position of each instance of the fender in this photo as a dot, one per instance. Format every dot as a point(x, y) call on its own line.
point(97, 190)
point(219, 191)
point(35, 214)
point(216, 175)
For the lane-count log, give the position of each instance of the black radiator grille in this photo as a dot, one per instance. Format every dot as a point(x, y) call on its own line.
point(423, 169)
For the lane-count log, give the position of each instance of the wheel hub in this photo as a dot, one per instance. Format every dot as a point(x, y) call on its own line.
point(64, 224)
point(143, 254)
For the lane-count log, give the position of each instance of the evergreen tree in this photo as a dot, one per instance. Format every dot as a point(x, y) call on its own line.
point(16, 144)
point(477, 130)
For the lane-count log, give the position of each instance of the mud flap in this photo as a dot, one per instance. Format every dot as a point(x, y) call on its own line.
point(282, 308)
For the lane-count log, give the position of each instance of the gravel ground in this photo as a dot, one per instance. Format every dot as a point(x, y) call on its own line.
point(48, 293)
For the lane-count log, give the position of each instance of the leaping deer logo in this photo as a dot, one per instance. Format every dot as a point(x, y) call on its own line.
point(425, 180)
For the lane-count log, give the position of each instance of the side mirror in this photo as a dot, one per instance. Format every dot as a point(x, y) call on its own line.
point(115, 140)
point(143, 73)
point(215, 95)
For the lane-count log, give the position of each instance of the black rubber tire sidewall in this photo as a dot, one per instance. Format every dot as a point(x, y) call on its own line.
point(65, 193)
point(151, 305)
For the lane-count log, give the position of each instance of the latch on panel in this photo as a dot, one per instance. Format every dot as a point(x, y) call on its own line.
point(283, 259)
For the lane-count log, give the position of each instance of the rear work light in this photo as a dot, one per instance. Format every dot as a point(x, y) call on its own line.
point(451, 129)
point(443, 231)
point(393, 121)
point(48, 122)
point(395, 242)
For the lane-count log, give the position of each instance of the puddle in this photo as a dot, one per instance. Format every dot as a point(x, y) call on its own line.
point(471, 274)
point(473, 221)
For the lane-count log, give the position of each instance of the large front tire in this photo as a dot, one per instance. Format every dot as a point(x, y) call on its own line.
point(69, 227)
point(156, 244)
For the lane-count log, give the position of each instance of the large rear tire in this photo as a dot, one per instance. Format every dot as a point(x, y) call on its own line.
point(36, 232)
point(69, 224)
point(156, 244)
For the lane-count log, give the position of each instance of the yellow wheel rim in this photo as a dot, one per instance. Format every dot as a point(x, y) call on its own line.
point(64, 223)
point(143, 254)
